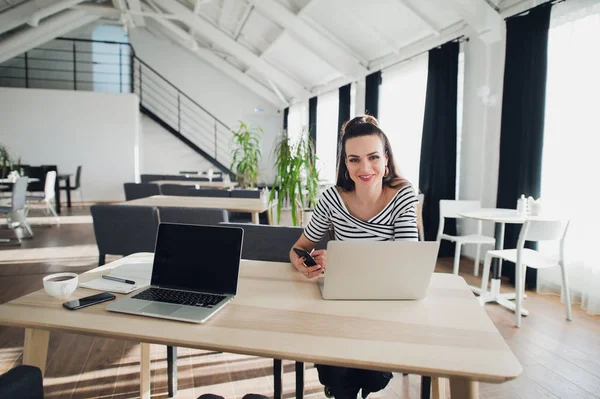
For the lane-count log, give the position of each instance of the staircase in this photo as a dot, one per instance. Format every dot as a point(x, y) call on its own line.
point(81, 64)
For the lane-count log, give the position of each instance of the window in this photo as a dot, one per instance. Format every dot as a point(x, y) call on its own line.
point(327, 125)
point(297, 121)
point(401, 110)
point(570, 162)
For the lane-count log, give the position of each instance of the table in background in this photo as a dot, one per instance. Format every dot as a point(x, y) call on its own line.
point(197, 184)
point(500, 217)
point(277, 313)
point(255, 206)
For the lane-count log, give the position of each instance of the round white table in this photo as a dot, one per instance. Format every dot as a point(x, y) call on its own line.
point(500, 217)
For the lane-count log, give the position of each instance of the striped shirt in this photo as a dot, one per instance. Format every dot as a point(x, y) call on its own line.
point(397, 221)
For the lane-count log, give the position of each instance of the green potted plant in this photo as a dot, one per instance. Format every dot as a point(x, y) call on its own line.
point(247, 155)
point(297, 178)
point(5, 161)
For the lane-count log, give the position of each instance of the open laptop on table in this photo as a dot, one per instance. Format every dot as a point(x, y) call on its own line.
point(380, 270)
point(194, 275)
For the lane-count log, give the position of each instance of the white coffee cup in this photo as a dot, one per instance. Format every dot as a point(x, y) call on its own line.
point(61, 285)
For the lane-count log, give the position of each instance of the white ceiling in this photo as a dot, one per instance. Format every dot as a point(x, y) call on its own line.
point(295, 48)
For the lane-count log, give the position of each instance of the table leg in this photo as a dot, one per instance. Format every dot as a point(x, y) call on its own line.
point(35, 349)
point(494, 294)
point(172, 371)
point(299, 380)
point(145, 371)
point(438, 388)
point(255, 218)
point(277, 384)
point(463, 388)
point(68, 189)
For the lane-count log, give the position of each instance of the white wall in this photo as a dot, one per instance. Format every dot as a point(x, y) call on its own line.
point(480, 146)
point(163, 153)
point(220, 95)
point(99, 131)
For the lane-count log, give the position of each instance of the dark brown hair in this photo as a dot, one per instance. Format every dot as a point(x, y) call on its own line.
point(359, 126)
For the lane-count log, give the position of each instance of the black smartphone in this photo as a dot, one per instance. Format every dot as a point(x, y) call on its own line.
point(308, 259)
point(89, 301)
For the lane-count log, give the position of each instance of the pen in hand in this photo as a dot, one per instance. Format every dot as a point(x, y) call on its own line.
point(120, 280)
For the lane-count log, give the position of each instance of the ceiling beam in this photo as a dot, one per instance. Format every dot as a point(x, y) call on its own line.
point(49, 29)
point(51, 9)
point(135, 6)
point(176, 34)
point(421, 16)
point(234, 48)
point(16, 16)
point(304, 33)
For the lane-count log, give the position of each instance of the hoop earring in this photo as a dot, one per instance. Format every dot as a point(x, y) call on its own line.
point(387, 172)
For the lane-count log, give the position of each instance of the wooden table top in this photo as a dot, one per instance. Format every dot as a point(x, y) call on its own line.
point(230, 204)
point(209, 184)
point(278, 313)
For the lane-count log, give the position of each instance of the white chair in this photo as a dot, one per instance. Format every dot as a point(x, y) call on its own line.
point(525, 257)
point(452, 209)
point(49, 195)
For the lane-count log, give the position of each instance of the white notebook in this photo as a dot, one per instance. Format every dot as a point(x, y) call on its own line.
point(141, 273)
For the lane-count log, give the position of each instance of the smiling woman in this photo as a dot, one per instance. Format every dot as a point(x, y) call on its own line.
point(370, 201)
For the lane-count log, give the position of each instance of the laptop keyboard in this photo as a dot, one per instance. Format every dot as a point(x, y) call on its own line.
point(180, 297)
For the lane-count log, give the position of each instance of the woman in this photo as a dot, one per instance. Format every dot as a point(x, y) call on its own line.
point(370, 201)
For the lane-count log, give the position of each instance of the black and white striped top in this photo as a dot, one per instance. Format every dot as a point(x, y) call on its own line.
point(397, 221)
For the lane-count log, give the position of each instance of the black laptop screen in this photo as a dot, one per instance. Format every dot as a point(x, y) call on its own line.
point(198, 258)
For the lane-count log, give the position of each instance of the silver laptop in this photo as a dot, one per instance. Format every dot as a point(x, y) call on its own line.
point(381, 270)
point(194, 275)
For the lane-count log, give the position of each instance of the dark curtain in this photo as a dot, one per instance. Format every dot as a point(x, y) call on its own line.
point(523, 109)
point(373, 81)
point(312, 120)
point(286, 114)
point(437, 171)
point(343, 110)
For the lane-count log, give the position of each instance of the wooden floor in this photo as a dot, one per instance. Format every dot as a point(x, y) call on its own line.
point(560, 359)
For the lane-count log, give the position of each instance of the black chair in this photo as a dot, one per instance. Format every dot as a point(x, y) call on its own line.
point(140, 190)
point(76, 188)
point(217, 178)
point(175, 189)
point(170, 214)
point(23, 382)
point(146, 178)
point(273, 243)
point(123, 229)
point(210, 192)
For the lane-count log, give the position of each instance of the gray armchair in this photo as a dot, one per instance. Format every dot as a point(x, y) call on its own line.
point(176, 189)
point(192, 215)
point(271, 243)
point(14, 212)
point(140, 190)
point(124, 230)
point(146, 178)
point(23, 382)
point(210, 192)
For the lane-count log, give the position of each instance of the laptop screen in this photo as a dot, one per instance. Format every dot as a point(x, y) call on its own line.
point(197, 258)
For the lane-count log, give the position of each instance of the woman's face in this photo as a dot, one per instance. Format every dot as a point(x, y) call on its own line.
point(366, 160)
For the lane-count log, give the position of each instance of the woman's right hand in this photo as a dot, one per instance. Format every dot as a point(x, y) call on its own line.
point(307, 271)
